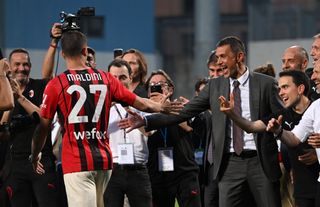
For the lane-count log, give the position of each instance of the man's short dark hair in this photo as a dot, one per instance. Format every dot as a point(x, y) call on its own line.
point(72, 43)
point(119, 63)
point(298, 78)
point(235, 43)
point(20, 50)
point(91, 51)
point(212, 58)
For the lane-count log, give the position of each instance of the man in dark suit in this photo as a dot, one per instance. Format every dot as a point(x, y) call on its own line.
point(249, 159)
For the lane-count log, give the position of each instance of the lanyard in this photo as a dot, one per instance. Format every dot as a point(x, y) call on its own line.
point(124, 130)
point(164, 136)
point(200, 145)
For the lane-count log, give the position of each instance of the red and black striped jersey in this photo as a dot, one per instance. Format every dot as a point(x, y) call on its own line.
point(83, 99)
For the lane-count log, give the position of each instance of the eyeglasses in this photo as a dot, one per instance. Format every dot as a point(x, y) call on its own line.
point(162, 84)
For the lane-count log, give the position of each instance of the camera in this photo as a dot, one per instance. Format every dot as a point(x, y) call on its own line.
point(156, 88)
point(71, 21)
point(117, 52)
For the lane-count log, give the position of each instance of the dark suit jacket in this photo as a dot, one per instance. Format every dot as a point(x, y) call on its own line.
point(264, 100)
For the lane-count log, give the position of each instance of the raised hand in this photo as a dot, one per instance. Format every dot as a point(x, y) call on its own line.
point(274, 125)
point(226, 106)
point(17, 92)
point(133, 121)
point(4, 66)
point(171, 107)
point(314, 140)
point(183, 100)
point(56, 30)
point(167, 106)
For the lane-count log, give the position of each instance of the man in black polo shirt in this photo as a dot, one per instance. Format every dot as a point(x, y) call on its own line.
point(22, 183)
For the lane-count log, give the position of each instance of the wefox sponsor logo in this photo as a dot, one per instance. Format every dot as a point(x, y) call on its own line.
point(93, 134)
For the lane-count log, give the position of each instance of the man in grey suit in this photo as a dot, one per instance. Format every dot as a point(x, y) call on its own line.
point(240, 159)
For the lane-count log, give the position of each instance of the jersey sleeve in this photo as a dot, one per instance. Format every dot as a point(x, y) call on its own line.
point(306, 124)
point(120, 93)
point(50, 100)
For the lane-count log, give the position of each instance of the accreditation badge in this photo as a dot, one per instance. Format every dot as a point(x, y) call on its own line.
point(198, 155)
point(165, 157)
point(125, 153)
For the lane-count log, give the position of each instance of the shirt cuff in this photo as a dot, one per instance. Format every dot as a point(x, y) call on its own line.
point(145, 121)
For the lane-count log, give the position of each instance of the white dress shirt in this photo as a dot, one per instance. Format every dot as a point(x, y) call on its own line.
point(118, 136)
point(249, 143)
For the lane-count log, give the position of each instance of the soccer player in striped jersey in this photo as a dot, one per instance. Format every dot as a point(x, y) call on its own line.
point(82, 96)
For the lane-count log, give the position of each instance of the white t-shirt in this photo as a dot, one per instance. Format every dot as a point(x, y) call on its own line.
point(309, 123)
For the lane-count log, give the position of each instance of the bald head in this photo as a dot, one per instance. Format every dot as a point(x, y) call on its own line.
point(295, 58)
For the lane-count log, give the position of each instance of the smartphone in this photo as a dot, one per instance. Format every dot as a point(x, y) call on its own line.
point(156, 88)
point(1, 55)
point(117, 52)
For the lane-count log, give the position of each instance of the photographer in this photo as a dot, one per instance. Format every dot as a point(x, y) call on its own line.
point(6, 98)
point(48, 62)
point(21, 182)
point(176, 176)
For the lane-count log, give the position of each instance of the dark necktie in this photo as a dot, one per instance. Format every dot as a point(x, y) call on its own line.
point(237, 131)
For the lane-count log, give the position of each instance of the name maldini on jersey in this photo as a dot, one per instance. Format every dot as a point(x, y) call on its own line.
point(84, 77)
point(93, 134)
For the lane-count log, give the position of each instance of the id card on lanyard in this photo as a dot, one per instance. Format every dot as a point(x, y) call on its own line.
point(165, 155)
point(125, 150)
point(198, 154)
point(125, 153)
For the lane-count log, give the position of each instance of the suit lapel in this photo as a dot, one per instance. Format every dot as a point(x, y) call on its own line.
point(221, 118)
point(225, 88)
point(254, 95)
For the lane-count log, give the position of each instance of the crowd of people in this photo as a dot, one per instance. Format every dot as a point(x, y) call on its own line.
point(116, 137)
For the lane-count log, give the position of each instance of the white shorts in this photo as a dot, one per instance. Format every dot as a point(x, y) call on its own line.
point(86, 188)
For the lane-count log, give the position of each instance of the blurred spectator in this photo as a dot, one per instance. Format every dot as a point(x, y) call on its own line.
point(214, 69)
point(295, 58)
point(139, 67)
point(91, 59)
point(266, 69)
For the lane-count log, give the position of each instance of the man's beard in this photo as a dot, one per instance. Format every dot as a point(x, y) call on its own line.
point(23, 81)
